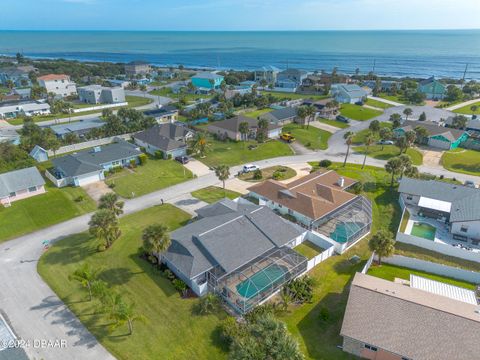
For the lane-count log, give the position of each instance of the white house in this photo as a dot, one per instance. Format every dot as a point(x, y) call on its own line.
point(348, 93)
point(59, 84)
point(97, 94)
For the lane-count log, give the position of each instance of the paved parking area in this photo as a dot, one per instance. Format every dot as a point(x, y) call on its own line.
point(197, 167)
point(432, 158)
point(97, 190)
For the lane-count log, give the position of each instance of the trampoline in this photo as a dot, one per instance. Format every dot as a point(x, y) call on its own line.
point(270, 276)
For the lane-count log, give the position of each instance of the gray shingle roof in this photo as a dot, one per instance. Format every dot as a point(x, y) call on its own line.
point(280, 114)
point(465, 200)
point(410, 322)
point(88, 161)
point(433, 129)
point(164, 136)
point(208, 75)
point(229, 236)
point(17, 180)
point(233, 123)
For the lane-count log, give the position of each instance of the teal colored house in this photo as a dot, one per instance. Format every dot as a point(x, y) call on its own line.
point(433, 89)
point(207, 80)
point(439, 137)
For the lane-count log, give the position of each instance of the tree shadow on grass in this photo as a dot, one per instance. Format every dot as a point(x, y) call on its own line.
point(117, 276)
point(217, 340)
point(72, 249)
point(469, 168)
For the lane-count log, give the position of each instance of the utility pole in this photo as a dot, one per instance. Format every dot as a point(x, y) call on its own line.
point(465, 73)
point(374, 64)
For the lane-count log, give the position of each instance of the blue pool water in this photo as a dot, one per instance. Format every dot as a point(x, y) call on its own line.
point(343, 231)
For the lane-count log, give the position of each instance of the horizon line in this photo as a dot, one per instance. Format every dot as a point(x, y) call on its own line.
point(246, 30)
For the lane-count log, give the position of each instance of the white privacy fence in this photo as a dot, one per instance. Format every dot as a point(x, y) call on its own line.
point(318, 240)
point(99, 107)
point(368, 264)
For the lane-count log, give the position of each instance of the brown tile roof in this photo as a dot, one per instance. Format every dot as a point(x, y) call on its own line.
point(314, 195)
point(50, 77)
point(410, 322)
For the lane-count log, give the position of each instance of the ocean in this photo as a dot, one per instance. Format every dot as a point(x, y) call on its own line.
point(440, 53)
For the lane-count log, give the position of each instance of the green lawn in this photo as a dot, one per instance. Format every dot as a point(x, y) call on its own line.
point(267, 173)
point(135, 101)
point(154, 175)
point(37, 212)
point(188, 97)
point(359, 137)
point(172, 330)
point(390, 272)
point(396, 98)
point(467, 110)
point(255, 114)
point(311, 137)
point(234, 153)
point(389, 151)
point(308, 249)
point(319, 339)
point(212, 194)
point(357, 112)
point(378, 104)
point(335, 123)
point(294, 96)
point(462, 161)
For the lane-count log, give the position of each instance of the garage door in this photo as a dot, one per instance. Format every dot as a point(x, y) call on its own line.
point(87, 179)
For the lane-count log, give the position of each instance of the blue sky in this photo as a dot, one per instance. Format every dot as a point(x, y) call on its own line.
point(238, 14)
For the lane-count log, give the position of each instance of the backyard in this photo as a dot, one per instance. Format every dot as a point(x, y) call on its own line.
point(37, 212)
point(172, 330)
point(212, 194)
point(311, 137)
point(153, 175)
point(462, 161)
point(385, 152)
point(308, 249)
point(357, 112)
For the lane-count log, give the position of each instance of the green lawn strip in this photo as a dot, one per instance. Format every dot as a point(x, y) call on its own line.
point(267, 173)
point(359, 137)
point(212, 194)
point(318, 338)
point(462, 161)
point(234, 153)
point(134, 101)
point(378, 104)
point(172, 330)
point(37, 212)
point(255, 114)
point(390, 272)
point(467, 109)
point(144, 179)
point(386, 152)
point(308, 249)
point(311, 137)
point(293, 96)
point(395, 98)
point(357, 112)
point(335, 123)
point(167, 92)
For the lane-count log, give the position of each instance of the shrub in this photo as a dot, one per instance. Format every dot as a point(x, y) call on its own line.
point(308, 144)
point(257, 175)
point(159, 154)
point(325, 163)
point(357, 187)
point(80, 198)
point(133, 163)
point(208, 304)
point(101, 248)
point(179, 285)
point(300, 290)
point(277, 175)
point(111, 185)
point(229, 329)
point(169, 156)
point(168, 274)
point(143, 159)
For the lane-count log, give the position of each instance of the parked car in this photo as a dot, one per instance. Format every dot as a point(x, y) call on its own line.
point(182, 159)
point(342, 118)
point(359, 103)
point(470, 183)
point(288, 137)
point(249, 168)
point(385, 142)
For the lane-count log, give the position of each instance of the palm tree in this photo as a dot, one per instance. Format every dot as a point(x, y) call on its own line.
point(369, 140)
point(406, 161)
point(421, 133)
point(302, 113)
point(262, 130)
point(401, 143)
point(374, 126)
point(410, 137)
point(200, 144)
point(125, 313)
point(85, 275)
point(311, 111)
point(222, 172)
point(383, 244)
point(348, 136)
point(110, 202)
point(393, 166)
point(407, 112)
point(243, 129)
point(156, 239)
point(104, 226)
point(474, 109)
point(143, 89)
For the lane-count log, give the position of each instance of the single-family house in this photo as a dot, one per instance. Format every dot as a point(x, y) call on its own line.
point(456, 206)
point(326, 108)
point(20, 184)
point(134, 68)
point(88, 166)
point(166, 113)
point(10, 135)
point(432, 88)
point(79, 128)
point(24, 108)
point(119, 82)
point(97, 94)
point(23, 93)
point(18, 76)
point(231, 247)
point(281, 116)
point(320, 202)
point(439, 137)
point(383, 85)
point(39, 153)
point(348, 93)
point(471, 125)
point(290, 78)
point(207, 81)
point(170, 139)
point(392, 321)
point(229, 128)
point(267, 73)
point(59, 84)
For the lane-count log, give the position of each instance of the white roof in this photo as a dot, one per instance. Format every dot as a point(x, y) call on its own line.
point(434, 204)
point(443, 289)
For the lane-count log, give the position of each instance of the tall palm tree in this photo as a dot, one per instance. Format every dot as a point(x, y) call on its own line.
point(348, 136)
point(104, 226)
point(369, 140)
point(406, 161)
point(243, 129)
point(222, 172)
point(383, 244)
point(110, 202)
point(200, 144)
point(393, 166)
point(262, 130)
point(156, 239)
point(86, 274)
point(407, 112)
point(126, 314)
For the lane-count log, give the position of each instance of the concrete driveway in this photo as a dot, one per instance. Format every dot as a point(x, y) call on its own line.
point(97, 190)
point(432, 158)
point(197, 167)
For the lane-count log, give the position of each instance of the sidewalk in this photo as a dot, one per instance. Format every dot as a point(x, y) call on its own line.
point(466, 103)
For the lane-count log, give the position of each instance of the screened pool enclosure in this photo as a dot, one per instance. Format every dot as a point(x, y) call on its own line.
point(248, 286)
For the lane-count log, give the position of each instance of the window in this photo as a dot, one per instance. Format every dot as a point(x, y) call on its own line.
point(12, 194)
point(32, 189)
point(290, 211)
point(370, 347)
point(464, 228)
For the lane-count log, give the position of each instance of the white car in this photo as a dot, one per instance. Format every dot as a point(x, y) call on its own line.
point(385, 142)
point(249, 168)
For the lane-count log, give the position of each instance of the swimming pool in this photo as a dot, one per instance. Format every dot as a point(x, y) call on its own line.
point(272, 274)
point(344, 231)
point(423, 230)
